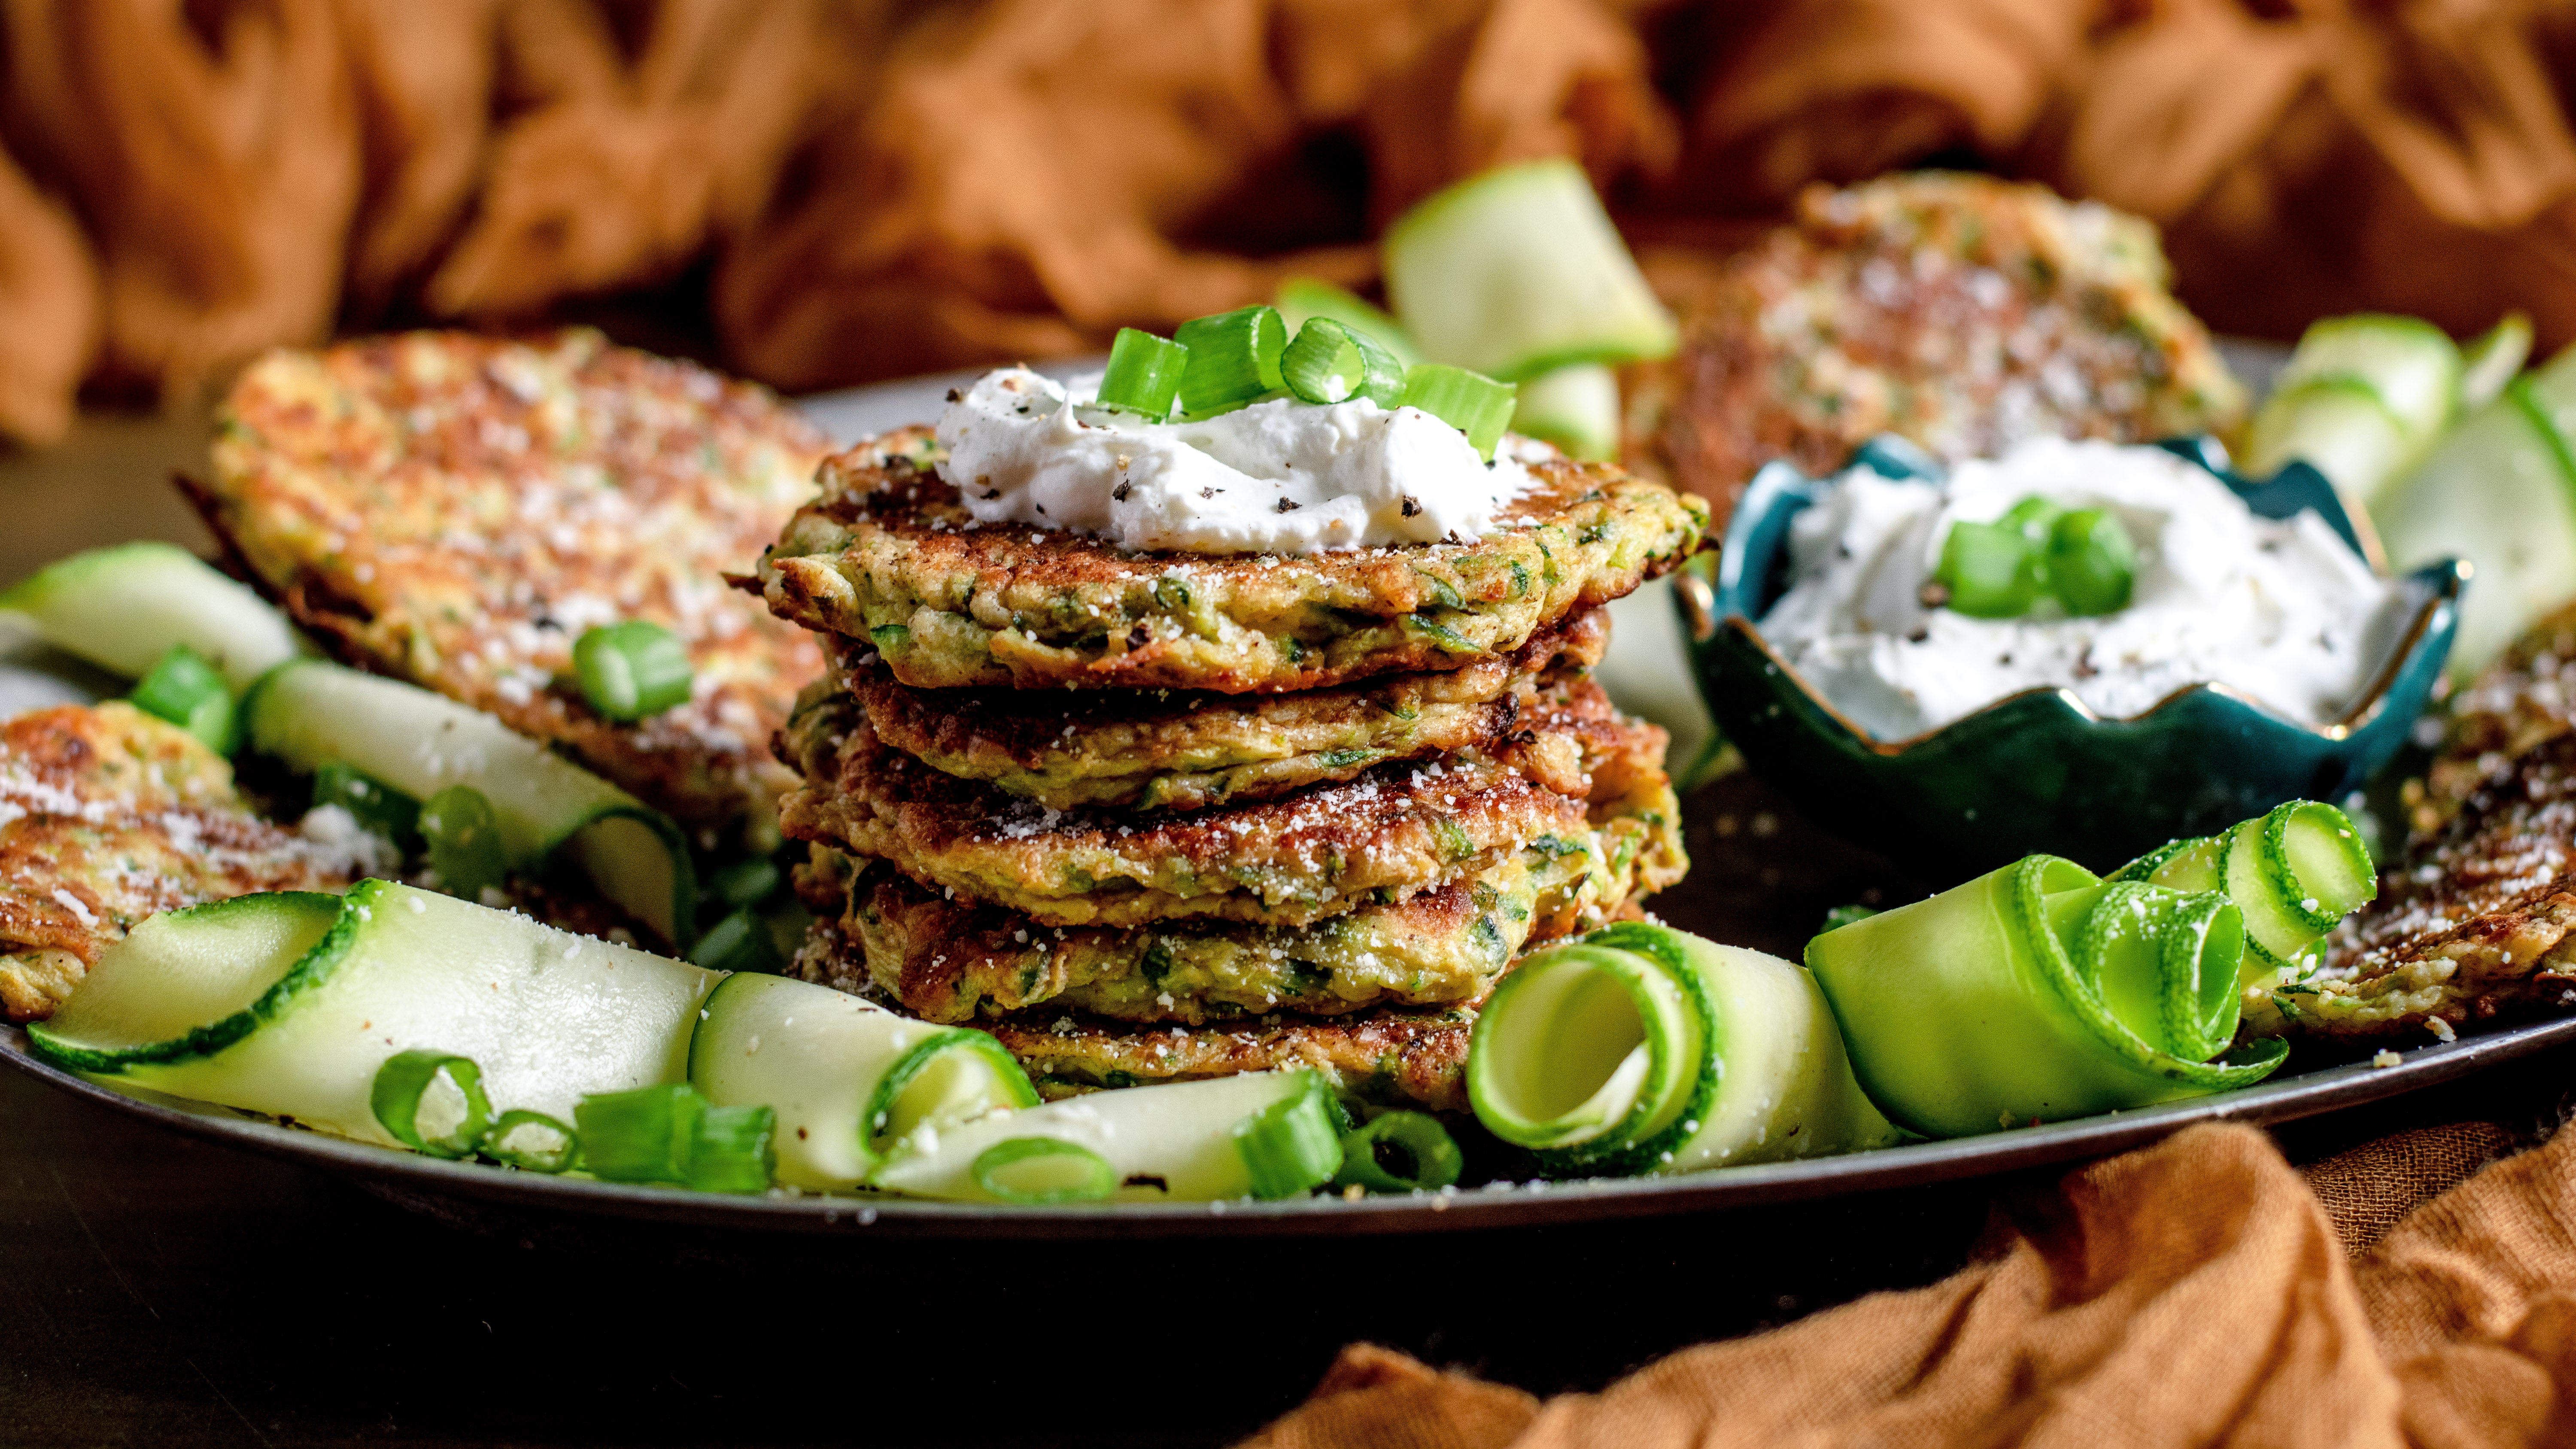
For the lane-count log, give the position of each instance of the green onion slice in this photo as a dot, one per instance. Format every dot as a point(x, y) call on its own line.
point(1292, 1146)
point(1328, 362)
point(464, 841)
point(1471, 402)
point(1144, 373)
point(432, 1102)
point(531, 1142)
point(2092, 565)
point(1232, 359)
point(734, 1149)
point(375, 805)
point(2032, 518)
point(1300, 298)
point(645, 1135)
point(1044, 1170)
point(190, 693)
point(1399, 1152)
point(632, 670)
point(1988, 571)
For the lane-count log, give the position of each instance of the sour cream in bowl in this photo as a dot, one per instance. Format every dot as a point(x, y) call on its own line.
point(2248, 654)
point(2281, 611)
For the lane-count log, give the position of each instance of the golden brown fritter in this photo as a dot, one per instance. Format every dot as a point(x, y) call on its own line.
point(456, 510)
point(1317, 852)
point(107, 816)
point(950, 959)
point(889, 554)
point(2469, 927)
point(1171, 750)
point(2525, 698)
point(1392, 1056)
point(1962, 312)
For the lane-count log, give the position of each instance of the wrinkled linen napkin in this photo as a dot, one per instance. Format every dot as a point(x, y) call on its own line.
point(2201, 1291)
point(2303, 156)
point(866, 188)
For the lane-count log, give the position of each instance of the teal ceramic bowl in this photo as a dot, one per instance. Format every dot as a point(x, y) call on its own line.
point(2038, 771)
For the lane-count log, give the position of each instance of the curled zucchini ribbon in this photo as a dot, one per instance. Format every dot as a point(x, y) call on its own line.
point(1644, 1049)
point(2040, 991)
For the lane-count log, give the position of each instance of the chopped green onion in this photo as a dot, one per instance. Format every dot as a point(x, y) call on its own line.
point(646, 1135)
point(431, 1101)
point(1303, 297)
point(190, 693)
point(1322, 363)
point(745, 882)
point(1043, 1170)
point(464, 841)
point(1399, 1152)
point(2032, 518)
point(1329, 363)
point(2092, 565)
point(1471, 402)
point(531, 1142)
point(1144, 373)
point(1233, 359)
point(739, 942)
point(734, 1150)
point(375, 805)
point(1988, 571)
point(632, 670)
point(1291, 1146)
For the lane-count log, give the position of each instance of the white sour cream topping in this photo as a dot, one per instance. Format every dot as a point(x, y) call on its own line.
point(2281, 610)
point(1276, 477)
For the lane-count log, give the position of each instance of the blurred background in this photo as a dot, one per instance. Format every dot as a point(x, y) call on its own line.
point(825, 192)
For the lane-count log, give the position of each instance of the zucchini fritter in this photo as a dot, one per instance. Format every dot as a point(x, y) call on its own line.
point(1162, 750)
point(2524, 699)
point(107, 816)
point(889, 554)
point(2473, 925)
point(950, 959)
point(1963, 312)
point(456, 510)
point(1391, 1057)
point(1317, 852)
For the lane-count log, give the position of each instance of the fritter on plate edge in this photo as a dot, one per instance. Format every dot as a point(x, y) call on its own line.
point(107, 816)
point(456, 510)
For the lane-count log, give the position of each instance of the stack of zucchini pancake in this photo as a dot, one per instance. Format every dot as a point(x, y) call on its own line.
point(1159, 815)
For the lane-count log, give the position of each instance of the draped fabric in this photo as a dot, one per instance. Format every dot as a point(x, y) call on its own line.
point(853, 189)
point(2199, 1292)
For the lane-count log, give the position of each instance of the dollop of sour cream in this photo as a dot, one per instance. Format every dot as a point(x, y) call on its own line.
point(2279, 610)
point(1278, 477)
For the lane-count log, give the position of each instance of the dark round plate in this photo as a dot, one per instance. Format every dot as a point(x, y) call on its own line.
point(1763, 878)
point(458, 1188)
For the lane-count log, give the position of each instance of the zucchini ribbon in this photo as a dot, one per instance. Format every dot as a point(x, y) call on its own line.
point(1644, 1049)
point(2042, 991)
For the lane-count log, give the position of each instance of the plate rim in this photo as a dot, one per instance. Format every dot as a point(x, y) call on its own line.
point(411, 1178)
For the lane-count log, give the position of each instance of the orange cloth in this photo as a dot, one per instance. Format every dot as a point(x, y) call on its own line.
point(871, 187)
point(214, 169)
point(1025, 182)
point(2304, 157)
point(2197, 1292)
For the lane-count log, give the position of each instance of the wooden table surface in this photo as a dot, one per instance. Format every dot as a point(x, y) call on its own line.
point(158, 1291)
